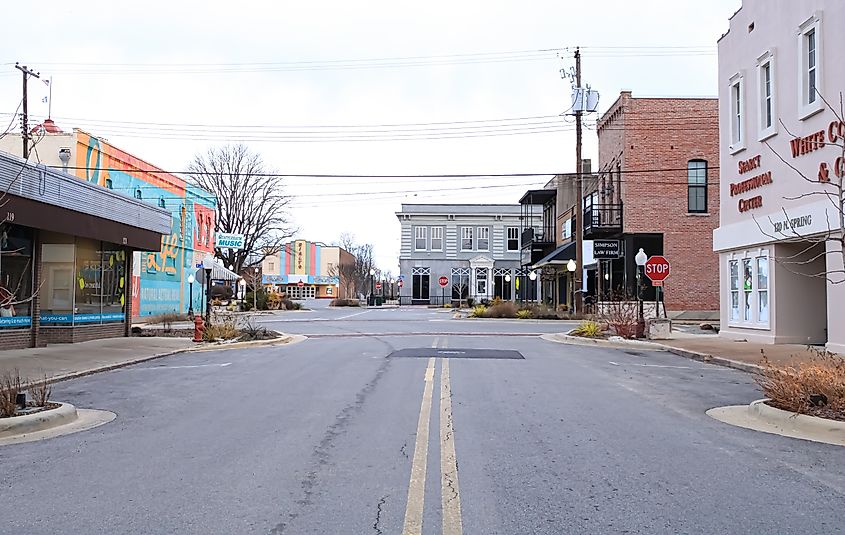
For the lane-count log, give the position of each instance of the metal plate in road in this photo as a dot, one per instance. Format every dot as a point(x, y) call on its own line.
point(427, 352)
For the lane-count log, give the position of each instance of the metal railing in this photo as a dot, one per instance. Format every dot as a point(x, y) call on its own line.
point(600, 218)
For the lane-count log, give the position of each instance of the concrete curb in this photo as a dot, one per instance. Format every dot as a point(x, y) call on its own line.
point(710, 359)
point(593, 342)
point(797, 423)
point(204, 347)
point(64, 414)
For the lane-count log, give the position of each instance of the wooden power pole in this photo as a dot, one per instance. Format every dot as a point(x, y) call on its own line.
point(27, 72)
point(579, 202)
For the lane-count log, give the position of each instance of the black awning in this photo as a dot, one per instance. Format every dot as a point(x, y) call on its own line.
point(559, 256)
point(538, 196)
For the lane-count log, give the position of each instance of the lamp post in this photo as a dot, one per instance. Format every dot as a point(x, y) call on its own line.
point(191, 292)
point(255, 290)
point(392, 280)
point(570, 267)
point(533, 277)
point(242, 284)
point(371, 300)
point(208, 265)
point(508, 280)
point(640, 259)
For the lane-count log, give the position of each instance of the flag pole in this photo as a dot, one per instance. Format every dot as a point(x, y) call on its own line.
point(50, 100)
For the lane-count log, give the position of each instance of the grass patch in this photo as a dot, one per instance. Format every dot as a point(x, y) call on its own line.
point(815, 387)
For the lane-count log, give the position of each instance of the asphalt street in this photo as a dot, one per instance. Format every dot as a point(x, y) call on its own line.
point(334, 435)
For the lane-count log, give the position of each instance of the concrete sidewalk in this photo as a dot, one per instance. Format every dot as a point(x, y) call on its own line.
point(702, 346)
point(63, 361)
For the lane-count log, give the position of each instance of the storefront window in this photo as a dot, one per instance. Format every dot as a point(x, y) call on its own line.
point(113, 283)
point(15, 276)
point(57, 281)
point(763, 290)
point(88, 287)
point(747, 283)
point(734, 267)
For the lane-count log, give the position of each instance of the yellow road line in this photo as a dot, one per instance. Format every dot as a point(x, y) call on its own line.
point(416, 488)
point(450, 492)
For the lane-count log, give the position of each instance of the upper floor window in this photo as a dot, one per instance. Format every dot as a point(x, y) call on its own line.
point(466, 239)
point(697, 186)
point(737, 113)
point(420, 238)
point(109, 183)
point(810, 50)
point(161, 203)
point(513, 238)
point(436, 238)
point(138, 193)
point(483, 238)
point(766, 72)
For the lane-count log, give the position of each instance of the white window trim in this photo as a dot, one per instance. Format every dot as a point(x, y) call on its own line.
point(805, 111)
point(764, 132)
point(736, 145)
point(464, 237)
point(508, 239)
point(478, 238)
point(754, 323)
point(420, 236)
point(432, 238)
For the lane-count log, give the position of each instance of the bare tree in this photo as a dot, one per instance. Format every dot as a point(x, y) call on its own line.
point(250, 201)
point(828, 184)
point(358, 275)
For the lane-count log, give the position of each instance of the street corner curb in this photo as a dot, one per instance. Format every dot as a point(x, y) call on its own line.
point(798, 423)
point(64, 414)
point(564, 338)
point(711, 359)
point(216, 346)
point(114, 366)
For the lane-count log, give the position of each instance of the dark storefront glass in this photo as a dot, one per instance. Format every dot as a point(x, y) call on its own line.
point(88, 287)
point(15, 276)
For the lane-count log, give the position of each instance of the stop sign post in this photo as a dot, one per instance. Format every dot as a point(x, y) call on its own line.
point(443, 281)
point(657, 269)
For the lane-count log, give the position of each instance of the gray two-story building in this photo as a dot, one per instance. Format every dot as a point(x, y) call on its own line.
point(476, 247)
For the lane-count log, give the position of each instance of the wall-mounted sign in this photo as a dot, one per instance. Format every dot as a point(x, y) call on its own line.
point(606, 249)
point(749, 184)
point(229, 241)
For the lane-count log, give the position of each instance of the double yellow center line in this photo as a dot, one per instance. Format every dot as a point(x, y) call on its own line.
point(450, 492)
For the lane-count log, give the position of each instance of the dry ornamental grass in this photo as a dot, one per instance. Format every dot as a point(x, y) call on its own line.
point(815, 387)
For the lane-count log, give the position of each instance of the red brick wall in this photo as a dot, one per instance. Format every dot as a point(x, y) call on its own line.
point(15, 338)
point(665, 133)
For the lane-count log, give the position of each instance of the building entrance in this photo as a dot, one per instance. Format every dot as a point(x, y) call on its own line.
point(303, 292)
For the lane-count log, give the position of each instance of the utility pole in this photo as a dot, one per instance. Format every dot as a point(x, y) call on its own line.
point(579, 203)
point(27, 72)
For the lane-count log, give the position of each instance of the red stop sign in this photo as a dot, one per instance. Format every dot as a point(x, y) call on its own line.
point(401, 283)
point(300, 284)
point(443, 281)
point(657, 269)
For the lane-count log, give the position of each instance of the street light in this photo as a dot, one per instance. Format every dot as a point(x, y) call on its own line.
point(208, 265)
point(392, 280)
point(242, 284)
point(255, 290)
point(371, 300)
point(533, 276)
point(191, 291)
point(570, 267)
point(640, 259)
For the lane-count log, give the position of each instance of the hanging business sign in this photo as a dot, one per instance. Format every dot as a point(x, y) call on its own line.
point(229, 241)
point(606, 249)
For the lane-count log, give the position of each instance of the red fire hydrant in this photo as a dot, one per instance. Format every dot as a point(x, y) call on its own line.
point(199, 328)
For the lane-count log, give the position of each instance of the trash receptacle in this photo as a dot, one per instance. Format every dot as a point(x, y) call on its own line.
point(378, 300)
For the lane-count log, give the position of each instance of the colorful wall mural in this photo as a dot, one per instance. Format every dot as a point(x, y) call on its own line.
point(159, 278)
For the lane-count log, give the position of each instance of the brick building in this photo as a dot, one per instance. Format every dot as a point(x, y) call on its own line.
point(658, 189)
point(66, 249)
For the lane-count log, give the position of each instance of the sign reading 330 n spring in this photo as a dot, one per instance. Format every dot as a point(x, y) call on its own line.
point(229, 241)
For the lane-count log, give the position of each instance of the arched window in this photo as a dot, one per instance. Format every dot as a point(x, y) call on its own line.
point(138, 193)
point(161, 203)
point(109, 183)
point(697, 186)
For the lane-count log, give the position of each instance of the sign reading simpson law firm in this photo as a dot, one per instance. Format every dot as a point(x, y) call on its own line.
point(606, 249)
point(758, 180)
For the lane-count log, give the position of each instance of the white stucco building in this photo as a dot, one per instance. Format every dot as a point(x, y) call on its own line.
point(781, 278)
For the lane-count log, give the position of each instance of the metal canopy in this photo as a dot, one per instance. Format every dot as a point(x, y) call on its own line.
point(559, 256)
point(538, 196)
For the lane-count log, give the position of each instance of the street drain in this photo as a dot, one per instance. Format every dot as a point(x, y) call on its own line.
point(426, 352)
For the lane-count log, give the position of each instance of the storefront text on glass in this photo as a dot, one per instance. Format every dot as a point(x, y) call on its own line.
point(16, 273)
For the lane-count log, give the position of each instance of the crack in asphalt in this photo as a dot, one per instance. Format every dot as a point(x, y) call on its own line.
point(377, 523)
point(403, 450)
point(323, 452)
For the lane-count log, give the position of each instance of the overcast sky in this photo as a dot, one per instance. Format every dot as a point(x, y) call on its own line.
point(309, 84)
